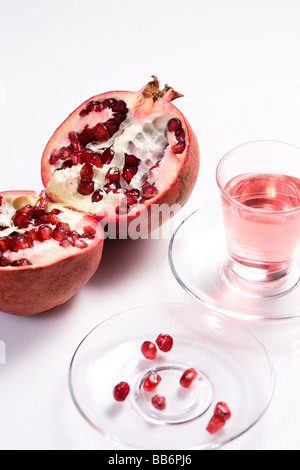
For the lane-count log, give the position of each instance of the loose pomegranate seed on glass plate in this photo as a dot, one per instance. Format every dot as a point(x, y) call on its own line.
point(221, 414)
point(215, 424)
point(159, 402)
point(164, 342)
point(222, 409)
point(121, 391)
point(149, 350)
point(151, 381)
point(188, 377)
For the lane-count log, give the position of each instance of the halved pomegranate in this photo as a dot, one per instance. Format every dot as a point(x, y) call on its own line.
point(121, 153)
point(47, 252)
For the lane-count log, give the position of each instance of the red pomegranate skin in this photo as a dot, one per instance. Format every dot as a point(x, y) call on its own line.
point(175, 194)
point(31, 290)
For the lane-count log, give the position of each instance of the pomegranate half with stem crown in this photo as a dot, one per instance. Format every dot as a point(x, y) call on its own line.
point(47, 252)
point(121, 153)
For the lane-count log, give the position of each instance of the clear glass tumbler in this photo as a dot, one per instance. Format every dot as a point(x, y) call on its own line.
point(259, 183)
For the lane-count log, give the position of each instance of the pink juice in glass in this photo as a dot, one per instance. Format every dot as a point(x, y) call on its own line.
point(261, 221)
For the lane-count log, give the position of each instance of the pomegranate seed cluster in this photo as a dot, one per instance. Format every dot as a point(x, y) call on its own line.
point(36, 223)
point(149, 351)
point(85, 148)
point(164, 343)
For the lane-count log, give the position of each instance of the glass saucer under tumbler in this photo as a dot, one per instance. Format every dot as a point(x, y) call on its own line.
point(240, 255)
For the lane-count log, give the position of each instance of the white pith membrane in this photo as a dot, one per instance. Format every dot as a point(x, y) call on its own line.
point(48, 251)
point(147, 137)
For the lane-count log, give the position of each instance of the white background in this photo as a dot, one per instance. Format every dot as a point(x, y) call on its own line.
point(238, 65)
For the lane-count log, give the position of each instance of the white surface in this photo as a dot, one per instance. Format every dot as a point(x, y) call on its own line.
point(237, 63)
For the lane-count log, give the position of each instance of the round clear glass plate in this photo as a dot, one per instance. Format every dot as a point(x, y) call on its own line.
point(199, 261)
point(232, 365)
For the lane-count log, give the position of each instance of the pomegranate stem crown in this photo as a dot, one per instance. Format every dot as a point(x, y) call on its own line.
point(151, 90)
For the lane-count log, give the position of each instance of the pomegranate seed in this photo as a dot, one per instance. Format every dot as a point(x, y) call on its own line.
point(121, 391)
point(151, 381)
point(109, 102)
point(131, 201)
point(3, 261)
point(215, 424)
point(149, 191)
point(17, 241)
point(112, 126)
point(33, 234)
point(83, 113)
point(164, 342)
point(21, 262)
point(107, 156)
point(97, 161)
point(18, 218)
point(60, 232)
point(66, 242)
point(131, 160)
point(132, 194)
point(28, 210)
point(94, 106)
point(64, 153)
point(180, 135)
point(86, 172)
point(89, 232)
point(98, 108)
point(74, 235)
point(90, 106)
point(55, 211)
point(119, 117)
point(92, 158)
point(119, 107)
point(1, 198)
point(66, 164)
point(122, 209)
point(65, 226)
point(128, 173)
point(149, 350)
point(114, 187)
point(173, 125)
point(74, 139)
point(4, 245)
point(97, 196)
point(179, 147)
point(44, 233)
point(80, 244)
point(101, 133)
point(76, 158)
point(159, 402)
point(25, 223)
point(49, 219)
point(40, 206)
point(113, 175)
point(87, 135)
point(53, 158)
point(86, 187)
point(222, 409)
point(188, 377)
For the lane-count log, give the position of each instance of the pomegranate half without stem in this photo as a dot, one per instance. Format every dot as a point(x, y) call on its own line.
point(47, 252)
point(121, 153)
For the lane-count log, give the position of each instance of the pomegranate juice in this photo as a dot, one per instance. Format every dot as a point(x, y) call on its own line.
point(261, 220)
